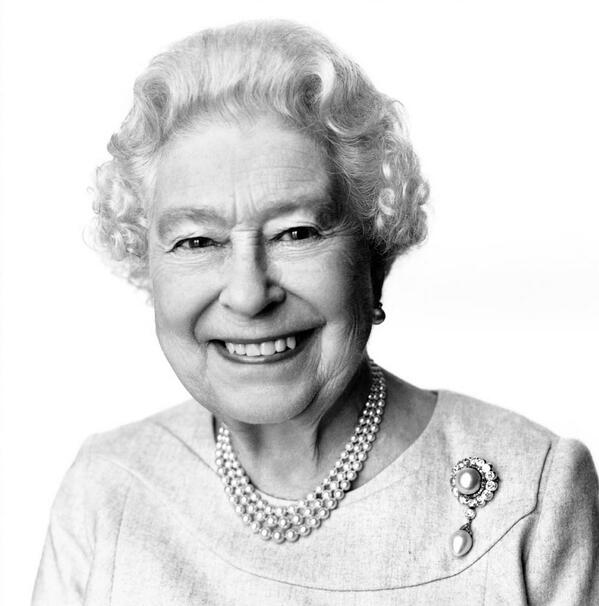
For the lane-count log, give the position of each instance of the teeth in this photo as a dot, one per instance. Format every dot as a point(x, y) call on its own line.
point(253, 350)
point(266, 348)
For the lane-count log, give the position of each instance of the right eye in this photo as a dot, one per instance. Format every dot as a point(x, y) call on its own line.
point(193, 243)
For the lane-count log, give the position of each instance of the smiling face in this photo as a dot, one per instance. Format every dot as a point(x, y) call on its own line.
point(262, 298)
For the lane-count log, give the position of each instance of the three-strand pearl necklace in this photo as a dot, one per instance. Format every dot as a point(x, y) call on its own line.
point(298, 520)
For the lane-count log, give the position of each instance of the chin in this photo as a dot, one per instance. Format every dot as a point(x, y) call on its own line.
point(266, 405)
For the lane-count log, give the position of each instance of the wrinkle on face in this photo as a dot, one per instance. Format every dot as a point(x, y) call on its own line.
point(242, 188)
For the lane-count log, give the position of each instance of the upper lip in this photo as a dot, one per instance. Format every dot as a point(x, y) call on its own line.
point(262, 339)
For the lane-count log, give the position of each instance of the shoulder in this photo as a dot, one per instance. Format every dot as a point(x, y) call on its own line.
point(517, 446)
point(146, 452)
point(547, 502)
point(546, 484)
point(528, 458)
point(548, 479)
point(467, 414)
point(181, 427)
point(471, 427)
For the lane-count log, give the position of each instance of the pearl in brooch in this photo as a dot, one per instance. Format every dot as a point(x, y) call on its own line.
point(288, 524)
point(468, 481)
point(473, 482)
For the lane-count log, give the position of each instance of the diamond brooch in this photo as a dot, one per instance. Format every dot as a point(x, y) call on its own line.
point(473, 483)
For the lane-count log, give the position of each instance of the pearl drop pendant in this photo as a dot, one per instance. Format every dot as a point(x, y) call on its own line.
point(473, 482)
point(461, 542)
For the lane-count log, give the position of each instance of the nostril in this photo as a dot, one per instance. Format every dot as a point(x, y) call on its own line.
point(251, 297)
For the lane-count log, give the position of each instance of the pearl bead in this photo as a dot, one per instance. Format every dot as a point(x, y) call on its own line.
point(278, 536)
point(322, 513)
point(461, 543)
point(304, 530)
point(265, 534)
point(468, 480)
point(291, 536)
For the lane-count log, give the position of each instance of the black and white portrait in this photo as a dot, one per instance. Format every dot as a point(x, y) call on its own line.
point(300, 304)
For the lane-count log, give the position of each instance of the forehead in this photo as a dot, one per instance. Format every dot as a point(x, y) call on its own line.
point(241, 172)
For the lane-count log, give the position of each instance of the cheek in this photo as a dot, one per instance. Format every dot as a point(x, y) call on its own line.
point(180, 296)
point(338, 285)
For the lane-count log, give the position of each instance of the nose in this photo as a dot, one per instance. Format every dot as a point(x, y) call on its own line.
point(247, 288)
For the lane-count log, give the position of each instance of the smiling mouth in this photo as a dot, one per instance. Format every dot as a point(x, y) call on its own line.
point(271, 348)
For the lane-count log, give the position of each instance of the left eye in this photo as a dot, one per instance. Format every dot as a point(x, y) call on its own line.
point(299, 233)
point(192, 243)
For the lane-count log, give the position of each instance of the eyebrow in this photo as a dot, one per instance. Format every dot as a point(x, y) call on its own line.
point(169, 219)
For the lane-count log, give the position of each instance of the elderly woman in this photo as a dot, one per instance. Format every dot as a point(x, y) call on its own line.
point(260, 190)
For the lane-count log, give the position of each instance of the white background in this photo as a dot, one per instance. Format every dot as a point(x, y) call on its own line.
point(501, 303)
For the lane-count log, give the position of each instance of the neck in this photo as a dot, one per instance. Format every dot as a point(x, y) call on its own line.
point(289, 459)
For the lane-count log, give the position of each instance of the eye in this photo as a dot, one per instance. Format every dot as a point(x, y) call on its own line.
point(193, 243)
point(302, 232)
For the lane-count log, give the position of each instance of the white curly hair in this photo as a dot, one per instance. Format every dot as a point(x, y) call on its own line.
point(250, 69)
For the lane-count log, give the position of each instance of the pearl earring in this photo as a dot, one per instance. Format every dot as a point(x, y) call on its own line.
point(378, 314)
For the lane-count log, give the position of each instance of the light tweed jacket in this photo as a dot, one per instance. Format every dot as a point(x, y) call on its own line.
point(141, 519)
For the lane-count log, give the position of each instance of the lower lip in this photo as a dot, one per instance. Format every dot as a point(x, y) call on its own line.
point(273, 359)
